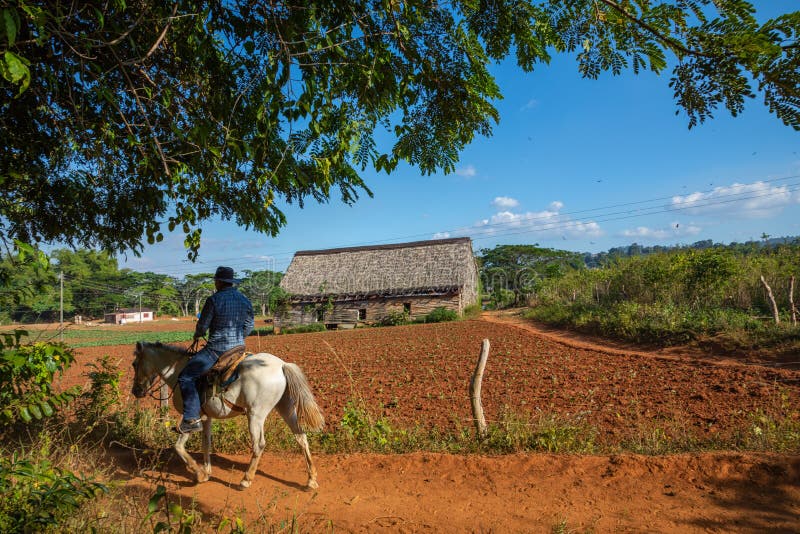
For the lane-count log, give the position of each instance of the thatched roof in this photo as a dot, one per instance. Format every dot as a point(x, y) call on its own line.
point(438, 267)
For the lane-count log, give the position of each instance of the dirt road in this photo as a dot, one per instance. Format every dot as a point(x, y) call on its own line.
point(424, 492)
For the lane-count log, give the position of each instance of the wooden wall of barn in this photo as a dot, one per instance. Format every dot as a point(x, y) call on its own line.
point(375, 310)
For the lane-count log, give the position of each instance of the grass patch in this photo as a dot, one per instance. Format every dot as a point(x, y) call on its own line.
point(666, 325)
point(473, 311)
point(545, 432)
point(304, 328)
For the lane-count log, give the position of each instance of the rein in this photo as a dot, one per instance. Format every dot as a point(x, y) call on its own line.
point(151, 392)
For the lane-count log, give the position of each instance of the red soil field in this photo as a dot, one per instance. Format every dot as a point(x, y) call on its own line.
point(419, 376)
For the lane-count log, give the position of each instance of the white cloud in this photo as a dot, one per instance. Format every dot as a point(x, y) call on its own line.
point(468, 172)
point(441, 235)
point(750, 201)
point(530, 104)
point(674, 230)
point(545, 224)
point(505, 202)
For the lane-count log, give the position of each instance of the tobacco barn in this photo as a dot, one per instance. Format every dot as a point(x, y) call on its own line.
point(346, 286)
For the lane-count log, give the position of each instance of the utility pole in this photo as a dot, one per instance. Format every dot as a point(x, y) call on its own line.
point(140, 307)
point(61, 305)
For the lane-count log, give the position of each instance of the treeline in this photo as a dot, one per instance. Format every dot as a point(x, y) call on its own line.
point(635, 249)
point(93, 284)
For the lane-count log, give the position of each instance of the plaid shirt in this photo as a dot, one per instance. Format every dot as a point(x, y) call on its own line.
point(228, 316)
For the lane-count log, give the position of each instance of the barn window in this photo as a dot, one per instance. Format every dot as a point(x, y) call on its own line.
point(320, 315)
point(362, 314)
point(407, 307)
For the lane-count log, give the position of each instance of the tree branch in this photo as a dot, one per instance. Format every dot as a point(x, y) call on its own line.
point(676, 46)
point(158, 40)
point(143, 111)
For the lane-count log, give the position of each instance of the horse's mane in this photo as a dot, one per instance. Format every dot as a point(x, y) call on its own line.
point(169, 347)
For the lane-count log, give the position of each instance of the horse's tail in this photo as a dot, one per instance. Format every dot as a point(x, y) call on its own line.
point(308, 413)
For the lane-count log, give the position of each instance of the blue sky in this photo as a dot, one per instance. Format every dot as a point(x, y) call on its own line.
point(574, 164)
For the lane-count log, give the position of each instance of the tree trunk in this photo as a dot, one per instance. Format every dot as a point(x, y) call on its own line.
point(791, 301)
point(475, 391)
point(775, 314)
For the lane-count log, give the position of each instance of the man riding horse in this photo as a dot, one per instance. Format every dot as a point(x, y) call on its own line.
point(227, 315)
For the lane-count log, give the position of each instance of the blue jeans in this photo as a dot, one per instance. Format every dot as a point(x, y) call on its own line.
point(187, 380)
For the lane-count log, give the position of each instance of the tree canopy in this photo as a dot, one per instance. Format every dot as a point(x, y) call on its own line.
point(122, 119)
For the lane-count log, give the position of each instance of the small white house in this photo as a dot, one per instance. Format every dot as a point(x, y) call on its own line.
point(129, 315)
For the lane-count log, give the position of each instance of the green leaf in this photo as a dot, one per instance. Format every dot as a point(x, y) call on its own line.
point(11, 23)
point(47, 410)
point(160, 493)
point(34, 409)
point(176, 510)
point(25, 415)
point(15, 70)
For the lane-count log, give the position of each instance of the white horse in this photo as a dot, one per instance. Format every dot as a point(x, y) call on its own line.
point(265, 382)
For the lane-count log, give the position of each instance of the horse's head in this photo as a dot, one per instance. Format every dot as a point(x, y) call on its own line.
point(144, 369)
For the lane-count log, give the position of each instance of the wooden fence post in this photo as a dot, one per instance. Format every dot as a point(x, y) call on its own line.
point(475, 391)
point(165, 394)
point(775, 315)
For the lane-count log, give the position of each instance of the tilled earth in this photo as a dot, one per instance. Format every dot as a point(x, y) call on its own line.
point(418, 376)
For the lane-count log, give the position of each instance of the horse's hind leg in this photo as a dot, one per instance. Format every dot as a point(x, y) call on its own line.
point(287, 411)
point(256, 425)
point(207, 447)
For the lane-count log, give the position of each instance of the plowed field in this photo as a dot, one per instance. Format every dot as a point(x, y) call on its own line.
point(419, 376)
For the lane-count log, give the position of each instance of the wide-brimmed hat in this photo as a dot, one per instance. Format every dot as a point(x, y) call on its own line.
point(225, 274)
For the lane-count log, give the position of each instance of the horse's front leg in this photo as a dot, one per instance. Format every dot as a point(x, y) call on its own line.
point(180, 448)
point(207, 447)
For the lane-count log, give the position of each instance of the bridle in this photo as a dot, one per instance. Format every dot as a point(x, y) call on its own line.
point(157, 383)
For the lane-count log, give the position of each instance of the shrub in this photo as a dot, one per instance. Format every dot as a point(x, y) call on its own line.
point(103, 395)
point(38, 496)
point(394, 318)
point(440, 315)
point(26, 375)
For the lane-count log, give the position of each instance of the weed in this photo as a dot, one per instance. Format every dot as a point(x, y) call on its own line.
point(546, 432)
point(766, 433)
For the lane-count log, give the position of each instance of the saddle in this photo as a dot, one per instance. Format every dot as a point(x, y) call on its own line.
point(223, 371)
point(222, 374)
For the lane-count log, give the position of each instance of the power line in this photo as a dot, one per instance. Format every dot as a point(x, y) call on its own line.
point(611, 217)
point(513, 227)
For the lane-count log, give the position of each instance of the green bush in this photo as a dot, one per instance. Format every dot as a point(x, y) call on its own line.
point(502, 298)
point(39, 496)
point(440, 315)
point(394, 318)
point(26, 375)
point(711, 296)
point(103, 395)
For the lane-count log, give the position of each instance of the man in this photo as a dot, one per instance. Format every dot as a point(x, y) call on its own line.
point(228, 317)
